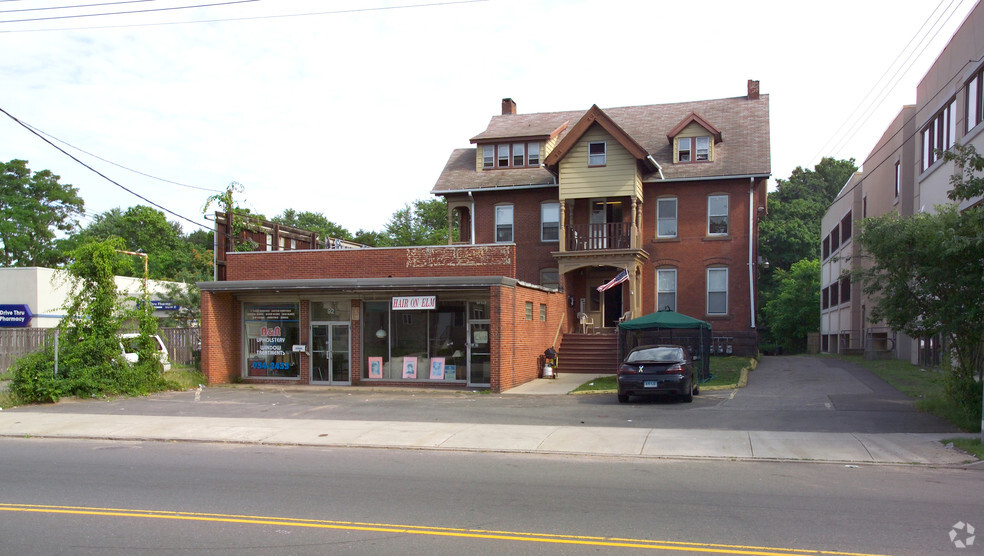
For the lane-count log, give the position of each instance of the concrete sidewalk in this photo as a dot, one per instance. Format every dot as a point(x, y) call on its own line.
point(606, 441)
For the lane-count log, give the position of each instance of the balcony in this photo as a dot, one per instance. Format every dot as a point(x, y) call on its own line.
point(597, 237)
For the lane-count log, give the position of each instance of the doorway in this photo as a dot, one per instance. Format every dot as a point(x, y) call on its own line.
point(330, 349)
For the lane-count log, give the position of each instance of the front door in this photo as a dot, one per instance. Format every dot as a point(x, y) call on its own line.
point(330, 349)
point(479, 354)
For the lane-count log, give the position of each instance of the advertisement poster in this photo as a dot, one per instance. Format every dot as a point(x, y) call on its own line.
point(450, 372)
point(409, 367)
point(375, 367)
point(437, 368)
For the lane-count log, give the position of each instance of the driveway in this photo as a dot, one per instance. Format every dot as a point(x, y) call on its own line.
point(807, 394)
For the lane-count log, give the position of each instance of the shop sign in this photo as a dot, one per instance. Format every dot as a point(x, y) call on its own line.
point(162, 305)
point(12, 316)
point(415, 303)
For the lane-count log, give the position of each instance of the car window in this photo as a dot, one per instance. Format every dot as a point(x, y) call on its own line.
point(656, 354)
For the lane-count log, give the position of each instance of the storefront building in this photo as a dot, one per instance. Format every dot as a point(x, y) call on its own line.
point(440, 316)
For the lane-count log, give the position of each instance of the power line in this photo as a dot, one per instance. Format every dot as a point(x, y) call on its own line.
point(75, 6)
point(168, 9)
point(250, 18)
point(97, 172)
point(120, 165)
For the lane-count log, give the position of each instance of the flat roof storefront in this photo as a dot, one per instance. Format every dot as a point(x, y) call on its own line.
point(452, 332)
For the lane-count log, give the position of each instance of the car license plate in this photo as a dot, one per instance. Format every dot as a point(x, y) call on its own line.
point(649, 384)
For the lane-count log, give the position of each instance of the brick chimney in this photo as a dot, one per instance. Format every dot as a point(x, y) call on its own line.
point(508, 106)
point(753, 90)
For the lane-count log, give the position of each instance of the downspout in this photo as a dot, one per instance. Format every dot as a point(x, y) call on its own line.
point(751, 246)
point(472, 197)
point(656, 164)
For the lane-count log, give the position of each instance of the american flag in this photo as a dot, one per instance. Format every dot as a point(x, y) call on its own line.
point(622, 276)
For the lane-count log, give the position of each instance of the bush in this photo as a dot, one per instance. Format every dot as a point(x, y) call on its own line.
point(965, 393)
point(34, 380)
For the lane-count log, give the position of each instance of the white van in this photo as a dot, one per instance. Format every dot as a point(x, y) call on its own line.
point(128, 346)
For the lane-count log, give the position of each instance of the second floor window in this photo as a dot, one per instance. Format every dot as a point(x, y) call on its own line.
point(597, 153)
point(550, 222)
point(504, 224)
point(666, 287)
point(975, 100)
point(939, 134)
point(717, 215)
point(550, 278)
point(666, 218)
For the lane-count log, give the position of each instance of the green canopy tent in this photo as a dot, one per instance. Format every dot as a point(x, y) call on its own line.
point(668, 327)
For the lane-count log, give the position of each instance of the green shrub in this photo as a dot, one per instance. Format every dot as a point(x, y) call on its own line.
point(34, 380)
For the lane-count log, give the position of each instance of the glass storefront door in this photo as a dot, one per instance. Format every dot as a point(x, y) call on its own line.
point(479, 354)
point(330, 347)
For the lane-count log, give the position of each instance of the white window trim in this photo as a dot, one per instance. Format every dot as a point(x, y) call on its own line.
point(603, 155)
point(726, 214)
point(659, 306)
point(676, 213)
point(710, 291)
point(543, 221)
point(512, 220)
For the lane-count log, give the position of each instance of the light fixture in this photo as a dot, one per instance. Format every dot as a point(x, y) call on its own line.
point(381, 333)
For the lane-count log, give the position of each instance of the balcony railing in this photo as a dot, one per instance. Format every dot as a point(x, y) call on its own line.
point(593, 237)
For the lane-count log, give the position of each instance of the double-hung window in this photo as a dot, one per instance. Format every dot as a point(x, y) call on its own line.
point(666, 217)
point(975, 100)
point(717, 291)
point(550, 222)
point(504, 156)
point(597, 153)
point(504, 224)
point(666, 289)
point(703, 148)
point(717, 215)
point(683, 149)
point(533, 158)
point(488, 156)
point(519, 154)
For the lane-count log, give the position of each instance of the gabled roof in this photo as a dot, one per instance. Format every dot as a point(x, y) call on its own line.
point(594, 115)
point(691, 118)
point(744, 121)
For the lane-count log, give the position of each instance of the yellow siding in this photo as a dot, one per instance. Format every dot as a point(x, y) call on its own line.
point(547, 147)
point(692, 130)
point(619, 177)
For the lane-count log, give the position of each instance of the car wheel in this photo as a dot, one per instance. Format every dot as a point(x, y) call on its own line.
point(696, 389)
point(623, 398)
point(689, 396)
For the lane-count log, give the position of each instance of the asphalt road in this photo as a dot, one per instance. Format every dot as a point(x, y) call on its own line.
point(806, 394)
point(122, 498)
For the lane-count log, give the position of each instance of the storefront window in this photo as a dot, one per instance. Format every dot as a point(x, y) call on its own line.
point(271, 331)
point(415, 345)
point(324, 311)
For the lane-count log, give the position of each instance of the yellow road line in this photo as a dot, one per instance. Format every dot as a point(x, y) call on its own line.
point(613, 542)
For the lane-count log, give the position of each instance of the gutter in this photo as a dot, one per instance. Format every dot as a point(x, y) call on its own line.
point(658, 167)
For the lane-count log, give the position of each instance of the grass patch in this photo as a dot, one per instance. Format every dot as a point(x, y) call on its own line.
point(725, 373)
point(925, 386)
point(184, 378)
point(8, 375)
point(972, 446)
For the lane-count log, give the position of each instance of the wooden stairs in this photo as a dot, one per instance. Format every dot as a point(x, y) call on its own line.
point(588, 353)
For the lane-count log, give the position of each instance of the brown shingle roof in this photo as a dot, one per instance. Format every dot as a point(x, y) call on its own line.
point(744, 150)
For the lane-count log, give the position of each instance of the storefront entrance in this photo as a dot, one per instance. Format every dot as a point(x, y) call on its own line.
point(330, 347)
point(479, 354)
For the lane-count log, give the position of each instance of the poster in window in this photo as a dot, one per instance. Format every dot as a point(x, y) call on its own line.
point(437, 368)
point(450, 372)
point(375, 367)
point(409, 367)
point(481, 336)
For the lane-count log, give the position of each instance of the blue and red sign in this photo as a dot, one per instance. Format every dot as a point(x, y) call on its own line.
point(15, 316)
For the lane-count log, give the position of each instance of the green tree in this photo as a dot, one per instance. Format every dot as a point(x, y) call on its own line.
point(33, 208)
point(171, 256)
point(422, 223)
point(794, 310)
point(315, 222)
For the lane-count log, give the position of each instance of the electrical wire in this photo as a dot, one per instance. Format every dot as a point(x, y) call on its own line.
point(97, 172)
point(63, 142)
point(151, 10)
point(75, 6)
point(249, 18)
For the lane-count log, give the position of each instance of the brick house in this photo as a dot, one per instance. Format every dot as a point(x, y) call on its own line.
point(547, 207)
point(671, 194)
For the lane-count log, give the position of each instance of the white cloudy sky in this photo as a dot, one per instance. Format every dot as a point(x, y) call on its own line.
point(352, 111)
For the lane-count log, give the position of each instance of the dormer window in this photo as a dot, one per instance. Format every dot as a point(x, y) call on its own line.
point(693, 139)
point(693, 149)
point(597, 153)
point(703, 145)
point(684, 149)
point(510, 155)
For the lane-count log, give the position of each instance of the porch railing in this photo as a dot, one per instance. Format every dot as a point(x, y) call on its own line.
point(593, 237)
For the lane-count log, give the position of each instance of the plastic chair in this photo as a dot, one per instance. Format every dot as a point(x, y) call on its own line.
point(585, 321)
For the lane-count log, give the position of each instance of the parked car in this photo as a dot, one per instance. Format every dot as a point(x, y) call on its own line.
point(657, 369)
point(128, 346)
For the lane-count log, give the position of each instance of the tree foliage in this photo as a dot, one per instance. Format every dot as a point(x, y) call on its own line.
point(926, 272)
point(34, 207)
point(419, 223)
point(315, 222)
point(794, 310)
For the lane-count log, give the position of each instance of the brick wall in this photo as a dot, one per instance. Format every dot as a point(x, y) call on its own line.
point(517, 342)
point(221, 347)
point(395, 262)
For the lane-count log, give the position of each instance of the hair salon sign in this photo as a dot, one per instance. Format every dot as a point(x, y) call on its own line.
point(415, 303)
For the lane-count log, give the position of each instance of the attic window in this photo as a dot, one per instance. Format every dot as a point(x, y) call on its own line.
point(597, 153)
point(703, 148)
point(693, 149)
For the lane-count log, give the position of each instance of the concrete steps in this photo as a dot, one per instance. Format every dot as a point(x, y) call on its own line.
point(588, 353)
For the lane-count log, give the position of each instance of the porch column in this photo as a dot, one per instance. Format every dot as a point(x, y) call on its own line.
point(450, 225)
point(563, 225)
point(634, 241)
